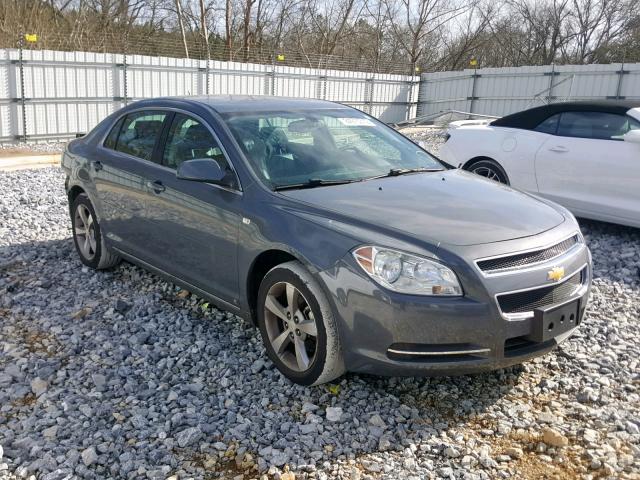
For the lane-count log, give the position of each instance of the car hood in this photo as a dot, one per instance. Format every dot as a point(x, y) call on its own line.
point(452, 207)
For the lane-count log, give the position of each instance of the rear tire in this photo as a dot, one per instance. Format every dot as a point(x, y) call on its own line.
point(87, 235)
point(489, 169)
point(297, 326)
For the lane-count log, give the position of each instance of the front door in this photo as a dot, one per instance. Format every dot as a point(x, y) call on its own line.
point(587, 166)
point(195, 225)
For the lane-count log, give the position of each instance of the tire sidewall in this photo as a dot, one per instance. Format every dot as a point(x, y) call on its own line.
point(283, 274)
point(83, 199)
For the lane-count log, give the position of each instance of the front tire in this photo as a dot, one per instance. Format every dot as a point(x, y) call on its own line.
point(489, 169)
point(87, 235)
point(297, 326)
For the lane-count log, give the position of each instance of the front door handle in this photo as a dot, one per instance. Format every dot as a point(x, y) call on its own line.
point(559, 149)
point(156, 186)
point(97, 165)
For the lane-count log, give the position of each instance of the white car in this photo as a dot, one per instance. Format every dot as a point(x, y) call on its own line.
point(583, 155)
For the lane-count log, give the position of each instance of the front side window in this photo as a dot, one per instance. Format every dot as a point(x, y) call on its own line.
point(189, 139)
point(139, 133)
point(289, 148)
point(597, 125)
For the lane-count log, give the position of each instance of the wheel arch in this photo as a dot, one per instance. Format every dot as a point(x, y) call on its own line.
point(473, 160)
point(261, 264)
point(73, 193)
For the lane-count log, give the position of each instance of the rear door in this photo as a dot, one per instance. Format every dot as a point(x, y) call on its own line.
point(587, 167)
point(195, 225)
point(125, 164)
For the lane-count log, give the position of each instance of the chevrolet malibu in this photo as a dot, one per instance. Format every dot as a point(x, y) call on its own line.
point(349, 246)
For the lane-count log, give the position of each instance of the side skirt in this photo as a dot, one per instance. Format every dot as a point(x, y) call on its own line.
point(223, 304)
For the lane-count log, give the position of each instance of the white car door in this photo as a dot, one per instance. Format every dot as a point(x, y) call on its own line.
point(589, 168)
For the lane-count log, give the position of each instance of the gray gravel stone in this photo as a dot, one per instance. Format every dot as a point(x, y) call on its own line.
point(89, 456)
point(168, 384)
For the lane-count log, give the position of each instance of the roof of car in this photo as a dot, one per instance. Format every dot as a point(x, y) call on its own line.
point(254, 103)
point(529, 119)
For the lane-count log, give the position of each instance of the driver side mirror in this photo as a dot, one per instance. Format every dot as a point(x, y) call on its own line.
point(204, 170)
point(632, 136)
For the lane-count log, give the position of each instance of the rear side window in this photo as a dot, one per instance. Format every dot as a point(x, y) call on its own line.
point(138, 133)
point(596, 125)
point(550, 125)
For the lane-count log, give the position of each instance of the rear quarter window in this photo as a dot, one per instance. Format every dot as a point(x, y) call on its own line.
point(550, 125)
point(112, 138)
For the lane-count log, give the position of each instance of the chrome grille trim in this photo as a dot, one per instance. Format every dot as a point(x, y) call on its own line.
point(580, 287)
point(444, 352)
point(523, 260)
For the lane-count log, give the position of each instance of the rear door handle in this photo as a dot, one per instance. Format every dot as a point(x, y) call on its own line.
point(156, 186)
point(97, 166)
point(559, 149)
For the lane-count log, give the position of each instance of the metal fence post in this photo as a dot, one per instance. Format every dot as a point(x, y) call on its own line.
point(410, 85)
point(22, 96)
point(473, 97)
point(621, 73)
point(552, 75)
point(124, 78)
point(271, 79)
point(372, 87)
point(208, 80)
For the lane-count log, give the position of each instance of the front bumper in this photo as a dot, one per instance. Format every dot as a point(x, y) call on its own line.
point(386, 333)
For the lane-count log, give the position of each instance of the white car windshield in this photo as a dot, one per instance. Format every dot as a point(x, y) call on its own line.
point(319, 147)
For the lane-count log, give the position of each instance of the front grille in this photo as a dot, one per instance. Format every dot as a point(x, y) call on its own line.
point(529, 300)
point(523, 259)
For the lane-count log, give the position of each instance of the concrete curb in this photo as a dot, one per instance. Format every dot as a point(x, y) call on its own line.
point(23, 162)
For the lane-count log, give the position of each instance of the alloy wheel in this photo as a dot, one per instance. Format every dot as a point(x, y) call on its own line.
point(291, 326)
point(85, 232)
point(489, 173)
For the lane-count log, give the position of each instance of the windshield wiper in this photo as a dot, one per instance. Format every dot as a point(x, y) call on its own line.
point(396, 172)
point(311, 183)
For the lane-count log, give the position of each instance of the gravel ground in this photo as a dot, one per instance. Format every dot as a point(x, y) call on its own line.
point(119, 374)
point(18, 148)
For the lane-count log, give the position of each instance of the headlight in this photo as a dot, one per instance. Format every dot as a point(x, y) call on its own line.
point(405, 273)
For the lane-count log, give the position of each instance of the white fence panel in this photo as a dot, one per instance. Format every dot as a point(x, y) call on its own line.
point(70, 92)
point(500, 91)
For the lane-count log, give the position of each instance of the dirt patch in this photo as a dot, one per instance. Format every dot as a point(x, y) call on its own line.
point(34, 341)
point(21, 152)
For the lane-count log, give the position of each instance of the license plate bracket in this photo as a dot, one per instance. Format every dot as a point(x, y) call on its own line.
point(549, 322)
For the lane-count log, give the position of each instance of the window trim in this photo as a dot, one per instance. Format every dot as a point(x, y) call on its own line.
point(164, 132)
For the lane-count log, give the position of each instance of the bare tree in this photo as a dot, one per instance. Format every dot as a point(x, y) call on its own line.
point(413, 22)
point(183, 35)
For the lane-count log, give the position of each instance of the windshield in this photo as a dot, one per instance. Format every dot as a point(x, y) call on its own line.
point(323, 147)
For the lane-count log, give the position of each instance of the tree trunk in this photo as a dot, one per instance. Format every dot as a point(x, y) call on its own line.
point(227, 26)
point(203, 26)
point(182, 32)
point(246, 31)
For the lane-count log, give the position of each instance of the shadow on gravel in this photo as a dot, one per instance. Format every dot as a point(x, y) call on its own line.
point(123, 363)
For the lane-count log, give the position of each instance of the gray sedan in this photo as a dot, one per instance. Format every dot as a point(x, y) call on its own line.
point(349, 246)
